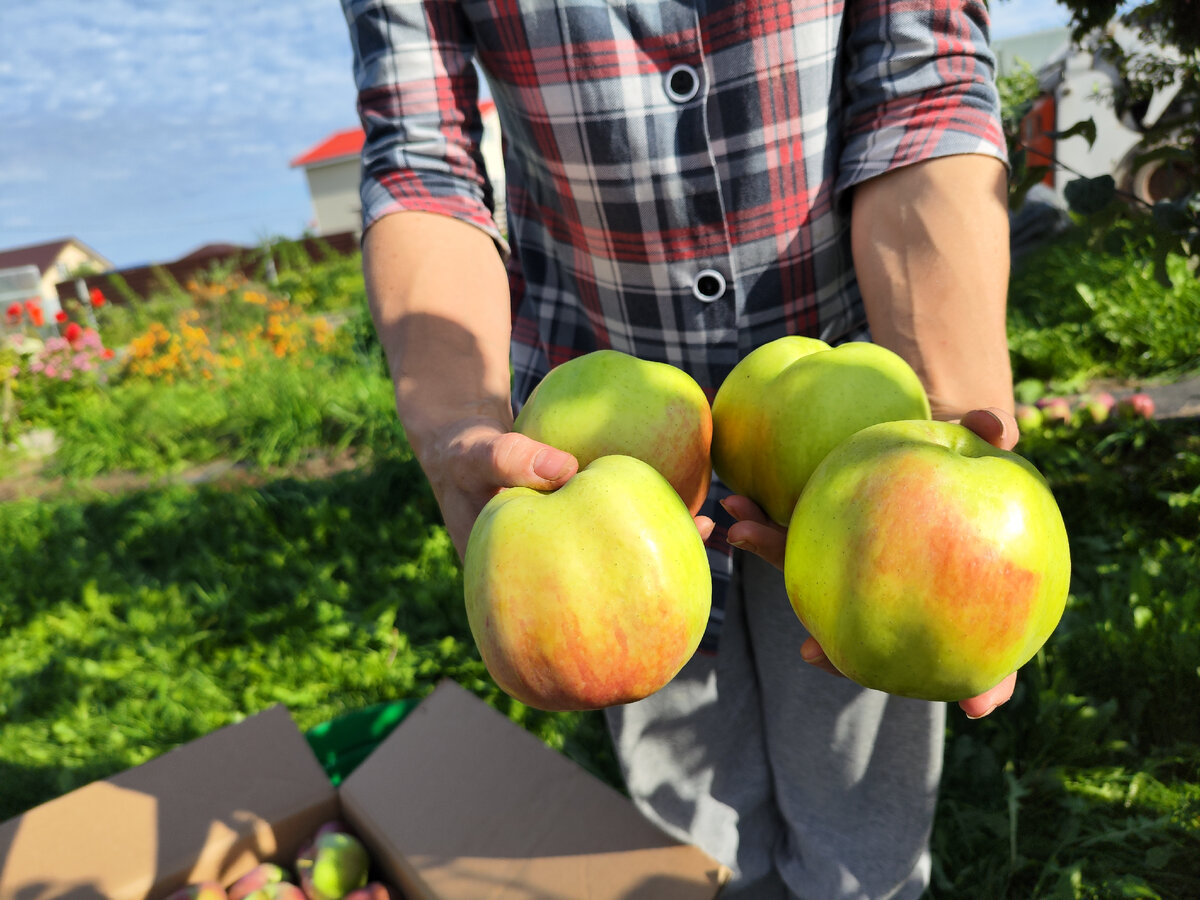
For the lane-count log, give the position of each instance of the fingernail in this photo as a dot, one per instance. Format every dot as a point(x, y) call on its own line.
point(988, 712)
point(722, 501)
point(811, 656)
point(999, 421)
point(549, 464)
point(744, 545)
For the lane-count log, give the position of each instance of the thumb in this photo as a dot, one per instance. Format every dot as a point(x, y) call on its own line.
point(518, 461)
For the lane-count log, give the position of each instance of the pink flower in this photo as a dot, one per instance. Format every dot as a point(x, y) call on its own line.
point(49, 371)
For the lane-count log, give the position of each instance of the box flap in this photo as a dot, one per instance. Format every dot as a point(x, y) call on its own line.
point(461, 804)
point(207, 810)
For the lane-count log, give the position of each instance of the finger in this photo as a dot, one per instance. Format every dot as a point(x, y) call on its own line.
point(753, 531)
point(513, 460)
point(994, 425)
point(705, 526)
point(811, 653)
point(985, 703)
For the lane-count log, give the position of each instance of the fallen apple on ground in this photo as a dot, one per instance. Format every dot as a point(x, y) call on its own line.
point(590, 596)
point(608, 403)
point(926, 562)
point(791, 401)
point(1136, 406)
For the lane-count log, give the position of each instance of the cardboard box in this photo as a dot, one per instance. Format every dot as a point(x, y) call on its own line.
point(457, 803)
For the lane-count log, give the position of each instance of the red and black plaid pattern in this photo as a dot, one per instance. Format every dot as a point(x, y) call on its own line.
point(629, 176)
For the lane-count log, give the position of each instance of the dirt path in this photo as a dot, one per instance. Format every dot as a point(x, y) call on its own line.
point(28, 482)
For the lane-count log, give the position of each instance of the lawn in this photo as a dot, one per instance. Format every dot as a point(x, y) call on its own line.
point(133, 621)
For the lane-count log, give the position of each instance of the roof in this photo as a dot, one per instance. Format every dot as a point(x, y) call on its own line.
point(40, 255)
point(212, 250)
point(349, 143)
point(45, 255)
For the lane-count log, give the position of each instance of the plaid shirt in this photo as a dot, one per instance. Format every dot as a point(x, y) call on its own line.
point(677, 172)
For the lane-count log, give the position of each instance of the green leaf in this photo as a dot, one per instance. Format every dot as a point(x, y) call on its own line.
point(1085, 129)
point(1088, 196)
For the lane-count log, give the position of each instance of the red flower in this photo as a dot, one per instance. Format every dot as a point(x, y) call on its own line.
point(97, 298)
point(35, 314)
point(60, 317)
point(33, 303)
point(14, 312)
point(73, 333)
point(106, 353)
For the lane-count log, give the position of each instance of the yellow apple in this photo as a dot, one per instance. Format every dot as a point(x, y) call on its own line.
point(791, 401)
point(590, 596)
point(608, 403)
point(927, 562)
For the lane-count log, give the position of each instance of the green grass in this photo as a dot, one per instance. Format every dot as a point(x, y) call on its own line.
point(145, 621)
point(1088, 783)
point(1078, 312)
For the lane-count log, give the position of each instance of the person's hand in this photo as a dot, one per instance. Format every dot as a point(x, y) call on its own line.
point(470, 461)
point(755, 533)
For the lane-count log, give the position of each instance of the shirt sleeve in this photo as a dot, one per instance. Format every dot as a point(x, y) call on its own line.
point(919, 82)
point(418, 101)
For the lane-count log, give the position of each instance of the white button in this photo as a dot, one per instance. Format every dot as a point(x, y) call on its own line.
point(708, 285)
point(683, 83)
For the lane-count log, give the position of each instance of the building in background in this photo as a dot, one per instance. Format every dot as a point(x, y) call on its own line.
point(1078, 81)
point(35, 270)
point(332, 169)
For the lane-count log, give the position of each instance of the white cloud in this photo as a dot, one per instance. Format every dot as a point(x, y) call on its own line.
point(130, 115)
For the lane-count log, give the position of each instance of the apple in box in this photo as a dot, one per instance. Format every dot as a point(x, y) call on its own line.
point(590, 596)
point(791, 401)
point(927, 562)
point(608, 403)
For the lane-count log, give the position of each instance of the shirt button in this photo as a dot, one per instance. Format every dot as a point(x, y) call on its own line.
point(708, 285)
point(683, 83)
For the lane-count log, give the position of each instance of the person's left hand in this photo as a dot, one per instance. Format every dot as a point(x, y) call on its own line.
point(755, 533)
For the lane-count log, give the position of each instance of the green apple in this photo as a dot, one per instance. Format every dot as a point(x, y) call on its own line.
point(927, 562)
point(336, 864)
point(791, 401)
point(590, 596)
point(608, 403)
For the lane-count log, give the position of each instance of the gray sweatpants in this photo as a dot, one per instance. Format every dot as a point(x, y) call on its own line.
point(804, 784)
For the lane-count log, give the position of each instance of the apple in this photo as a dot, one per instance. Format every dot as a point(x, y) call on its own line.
point(376, 890)
point(1096, 408)
point(791, 401)
point(926, 562)
point(1029, 418)
point(609, 403)
point(258, 877)
point(337, 864)
point(590, 596)
point(279, 890)
point(1056, 411)
point(1136, 406)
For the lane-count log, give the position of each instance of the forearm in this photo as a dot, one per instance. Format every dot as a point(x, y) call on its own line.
point(439, 298)
point(930, 245)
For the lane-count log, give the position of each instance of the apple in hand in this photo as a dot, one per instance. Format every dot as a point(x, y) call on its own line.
point(791, 401)
point(590, 596)
point(926, 562)
point(609, 403)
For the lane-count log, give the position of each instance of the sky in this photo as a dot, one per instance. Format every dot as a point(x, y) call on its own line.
point(147, 128)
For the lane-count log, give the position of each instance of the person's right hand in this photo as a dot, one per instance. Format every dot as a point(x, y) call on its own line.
point(469, 462)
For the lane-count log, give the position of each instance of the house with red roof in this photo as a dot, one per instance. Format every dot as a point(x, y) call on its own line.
point(332, 168)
